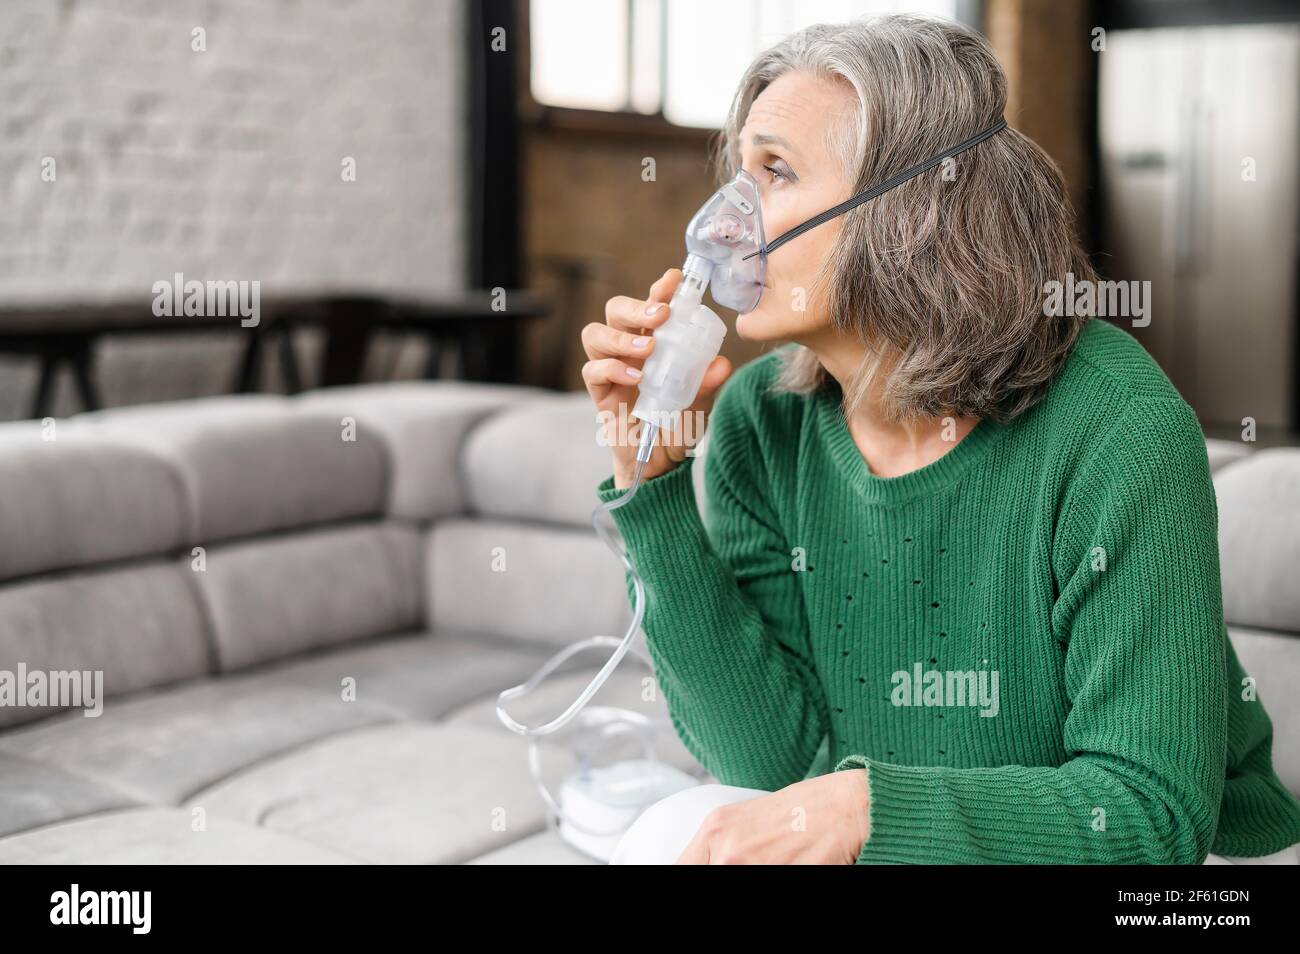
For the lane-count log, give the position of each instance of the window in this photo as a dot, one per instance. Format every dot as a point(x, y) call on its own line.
point(677, 58)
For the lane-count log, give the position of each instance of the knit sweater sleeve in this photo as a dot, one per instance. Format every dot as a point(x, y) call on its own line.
point(1139, 619)
point(725, 621)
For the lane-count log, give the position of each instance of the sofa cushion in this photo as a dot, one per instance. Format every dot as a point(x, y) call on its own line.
point(540, 461)
point(252, 467)
point(1259, 539)
point(160, 746)
point(413, 676)
point(171, 414)
point(33, 794)
point(424, 425)
point(139, 625)
point(273, 597)
point(1223, 452)
point(80, 499)
point(1273, 660)
point(135, 748)
point(159, 836)
point(549, 584)
point(408, 793)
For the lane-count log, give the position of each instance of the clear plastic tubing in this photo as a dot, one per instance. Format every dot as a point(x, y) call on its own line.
point(684, 347)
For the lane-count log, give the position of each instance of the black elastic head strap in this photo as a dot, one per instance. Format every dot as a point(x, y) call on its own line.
point(891, 183)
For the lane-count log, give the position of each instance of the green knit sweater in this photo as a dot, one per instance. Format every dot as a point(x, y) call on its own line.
point(1023, 642)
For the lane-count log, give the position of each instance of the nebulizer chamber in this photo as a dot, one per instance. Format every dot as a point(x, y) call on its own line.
point(598, 802)
point(727, 228)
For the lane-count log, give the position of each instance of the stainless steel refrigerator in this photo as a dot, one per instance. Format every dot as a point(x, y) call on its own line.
point(1199, 134)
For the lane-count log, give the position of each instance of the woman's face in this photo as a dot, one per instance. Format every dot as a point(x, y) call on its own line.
point(782, 146)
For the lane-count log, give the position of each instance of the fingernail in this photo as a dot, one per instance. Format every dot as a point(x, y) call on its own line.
point(640, 342)
point(654, 308)
point(633, 373)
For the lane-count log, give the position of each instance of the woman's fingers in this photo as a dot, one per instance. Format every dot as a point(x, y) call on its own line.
point(603, 373)
point(602, 341)
point(634, 314)
point(663, 289)
point(630, 314)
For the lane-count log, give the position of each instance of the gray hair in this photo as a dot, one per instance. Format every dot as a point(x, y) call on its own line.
point(942, 279)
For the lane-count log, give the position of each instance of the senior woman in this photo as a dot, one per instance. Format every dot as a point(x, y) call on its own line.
point(958, 597)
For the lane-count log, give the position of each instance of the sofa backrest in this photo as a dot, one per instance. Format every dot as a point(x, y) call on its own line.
point(1259, 552)
point(525, 562)
point(89, 526)
point(163, 542)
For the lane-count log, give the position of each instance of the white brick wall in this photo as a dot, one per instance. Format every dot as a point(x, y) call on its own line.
point(226, 164)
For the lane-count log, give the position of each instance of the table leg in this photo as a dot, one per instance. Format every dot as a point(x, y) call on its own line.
point(44, 386)
point(82, 360)
point(348, 329)
point(289, 361)
point(246, 377)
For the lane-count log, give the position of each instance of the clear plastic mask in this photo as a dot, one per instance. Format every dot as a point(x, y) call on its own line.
point(726, 229)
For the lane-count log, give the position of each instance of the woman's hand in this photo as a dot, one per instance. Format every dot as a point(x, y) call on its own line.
point(617, 350)
point(819, 821)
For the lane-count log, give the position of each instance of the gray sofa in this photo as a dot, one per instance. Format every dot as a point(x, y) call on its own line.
point(303, 621)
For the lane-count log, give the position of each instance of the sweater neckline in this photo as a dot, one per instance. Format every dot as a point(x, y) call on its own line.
point(934, 476)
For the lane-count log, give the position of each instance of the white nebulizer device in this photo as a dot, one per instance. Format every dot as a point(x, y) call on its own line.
point(597, 803)
point(726, 253)
point(725, 229)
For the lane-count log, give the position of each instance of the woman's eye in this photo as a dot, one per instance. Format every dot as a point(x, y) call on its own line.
point(775, 172)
